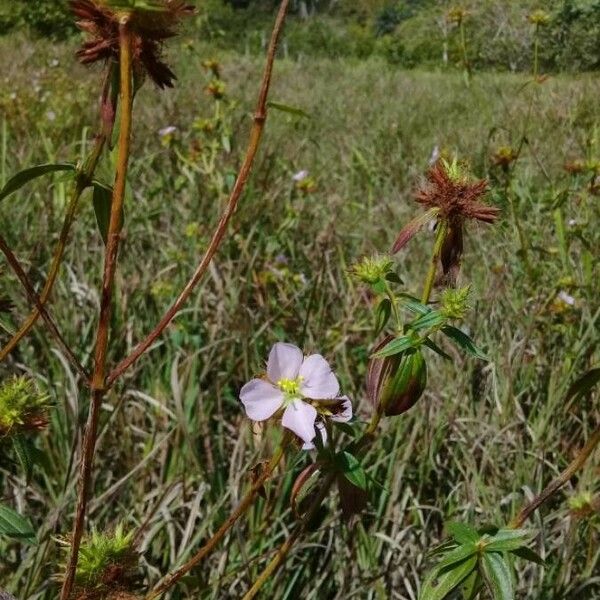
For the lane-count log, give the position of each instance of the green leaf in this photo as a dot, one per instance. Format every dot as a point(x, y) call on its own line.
point(433, 346)
point(382, 315)
point(462, 532)
point(396, 346)
point(584, 384)
point(352, 470)
point(20, 179)
point(527, 553)
point(463, 341)
point(498, 575)
point(433, 318)
point(457, 555)
point(506, 540)
point(411, 303)
point(439, 584)
point(292, 110)
point(13, 525)
point(102, 200)
point(393, 277)
point(472, 585)
point(24, 453)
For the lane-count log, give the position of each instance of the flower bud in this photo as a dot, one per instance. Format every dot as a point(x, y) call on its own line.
point(395, 383)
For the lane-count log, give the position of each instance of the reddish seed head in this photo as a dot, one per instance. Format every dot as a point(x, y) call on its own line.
point(149, 28)
point(456, 197)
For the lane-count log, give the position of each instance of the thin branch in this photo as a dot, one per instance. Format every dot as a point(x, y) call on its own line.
point(81, 183)
point(110, 266)
point(35, 300)
point(170, 580)
point(557, 483)
point(260, 117)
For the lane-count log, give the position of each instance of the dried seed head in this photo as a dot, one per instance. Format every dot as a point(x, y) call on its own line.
point(539, 18)
point(151, 24)
point(450, 189)
point(457, 15)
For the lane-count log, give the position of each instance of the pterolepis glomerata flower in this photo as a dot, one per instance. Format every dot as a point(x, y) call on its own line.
point(107, 566)
point(455, 302)
point(22, 407)
point(304, 390)
point(372, 269)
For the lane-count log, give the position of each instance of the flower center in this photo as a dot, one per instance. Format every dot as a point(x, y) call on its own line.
point(290, 387)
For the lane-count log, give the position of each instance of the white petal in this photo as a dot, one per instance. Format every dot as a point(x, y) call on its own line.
point(319, 382)
point(284, 362)
point(300, 418)
point(261, 399)
point(346, 413)
point(322, 431)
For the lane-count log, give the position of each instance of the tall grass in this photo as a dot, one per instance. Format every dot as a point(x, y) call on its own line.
point(174, 451)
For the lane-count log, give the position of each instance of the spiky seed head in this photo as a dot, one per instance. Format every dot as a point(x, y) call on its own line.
point(371, 269)
point(23, 408)
point(152, 22)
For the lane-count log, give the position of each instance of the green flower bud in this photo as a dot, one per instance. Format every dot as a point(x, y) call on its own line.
point(454, 302)
point(395, 383)
point(372, 269)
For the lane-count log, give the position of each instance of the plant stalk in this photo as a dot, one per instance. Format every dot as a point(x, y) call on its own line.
point(170, 580)
point(110, 265)
point(260, 117)
point(35, 300)
point(82, 182)
point(558, 482)
point(437, 248)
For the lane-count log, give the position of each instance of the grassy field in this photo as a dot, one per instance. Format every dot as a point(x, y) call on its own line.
point(175, 447)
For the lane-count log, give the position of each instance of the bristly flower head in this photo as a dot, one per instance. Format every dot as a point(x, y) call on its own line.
point(450, 189)
point(455, 302)
point(303, 389)
point(22, 407)
point(108, 563)
point(453, 198)
point(372, 269)
point(151, 21)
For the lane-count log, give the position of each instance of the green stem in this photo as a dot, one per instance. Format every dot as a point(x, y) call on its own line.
point(559, 223)
point(98, 381)
point(437, 248)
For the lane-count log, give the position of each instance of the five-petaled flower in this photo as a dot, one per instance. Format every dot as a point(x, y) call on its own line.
point(304, 388)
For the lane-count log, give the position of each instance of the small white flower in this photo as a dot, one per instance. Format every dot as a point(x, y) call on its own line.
point(435, 155)
point(572, 222)
point(51, 115)
point(165, 131)
point(296, 384)
point(300, 175)
point(54, 62)
point(566, 298)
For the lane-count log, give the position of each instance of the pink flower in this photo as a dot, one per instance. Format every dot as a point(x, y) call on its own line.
point(303, 387)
